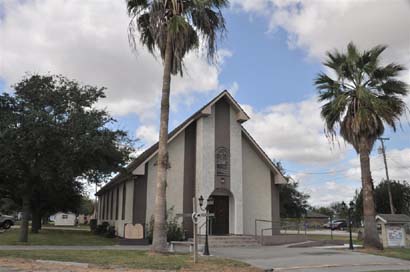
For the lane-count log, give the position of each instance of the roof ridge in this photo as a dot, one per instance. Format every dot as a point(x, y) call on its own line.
point(152, 149)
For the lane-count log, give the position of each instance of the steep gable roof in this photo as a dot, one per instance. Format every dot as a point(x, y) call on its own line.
point(132, 169)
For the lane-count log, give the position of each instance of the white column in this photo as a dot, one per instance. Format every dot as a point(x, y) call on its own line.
point(236, 171)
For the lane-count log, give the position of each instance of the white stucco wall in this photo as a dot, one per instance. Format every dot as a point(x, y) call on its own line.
point(205, 155)
point(175, 178)
point(119, 224)
point(205, 158)
point(236, 212)
point(256, 190)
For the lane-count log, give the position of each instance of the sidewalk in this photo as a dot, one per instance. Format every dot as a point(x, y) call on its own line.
point(283, 258)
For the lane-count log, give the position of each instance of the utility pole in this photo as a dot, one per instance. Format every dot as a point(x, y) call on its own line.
point(383, 151)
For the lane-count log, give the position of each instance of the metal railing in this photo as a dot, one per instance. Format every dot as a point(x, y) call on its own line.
point(274, 225)
point(262, 231)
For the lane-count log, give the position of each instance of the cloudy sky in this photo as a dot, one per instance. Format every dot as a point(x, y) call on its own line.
point(272, 52)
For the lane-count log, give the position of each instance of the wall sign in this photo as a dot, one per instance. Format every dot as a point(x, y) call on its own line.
point(222, 161)
point(395, 236)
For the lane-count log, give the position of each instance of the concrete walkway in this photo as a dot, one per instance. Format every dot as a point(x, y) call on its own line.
point(282, 258)
point(325, 232)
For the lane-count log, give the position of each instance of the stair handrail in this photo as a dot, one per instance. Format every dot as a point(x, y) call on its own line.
point(266, 221)
point(256, 225)
point(262, 230)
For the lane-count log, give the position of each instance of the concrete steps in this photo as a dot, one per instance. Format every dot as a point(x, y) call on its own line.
point(230, 241)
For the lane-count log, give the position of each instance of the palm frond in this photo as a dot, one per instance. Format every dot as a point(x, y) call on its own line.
point(364, 97)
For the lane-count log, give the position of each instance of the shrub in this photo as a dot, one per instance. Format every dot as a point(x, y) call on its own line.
point(110, 233)
point(174, 229)
point(102, 229)
point(93, 225)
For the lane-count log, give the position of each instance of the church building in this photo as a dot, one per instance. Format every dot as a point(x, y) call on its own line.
point(210, 155)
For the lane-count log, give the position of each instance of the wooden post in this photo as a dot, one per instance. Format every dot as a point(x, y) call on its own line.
point(195, 232)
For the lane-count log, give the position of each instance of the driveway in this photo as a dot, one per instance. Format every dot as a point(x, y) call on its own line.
point(282, 258)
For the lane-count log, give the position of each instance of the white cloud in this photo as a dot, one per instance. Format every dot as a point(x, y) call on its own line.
point(328, 192)
point(148, 134)
point(293, 131)
point(318, 26)
point(397, 161)
point(87, 40)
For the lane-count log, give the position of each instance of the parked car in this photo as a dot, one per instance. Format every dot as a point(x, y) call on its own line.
point(6, 221)
point(336, 225)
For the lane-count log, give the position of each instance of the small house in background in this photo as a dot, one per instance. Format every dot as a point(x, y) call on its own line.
point(316, 219)
point(392, 228)
point(83, 219)
point(65, 219)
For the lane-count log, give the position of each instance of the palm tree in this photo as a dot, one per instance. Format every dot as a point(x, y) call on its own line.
point(172, 27)
point(364, 96)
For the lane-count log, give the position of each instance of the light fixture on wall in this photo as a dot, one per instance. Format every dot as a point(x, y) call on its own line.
point(222, 180)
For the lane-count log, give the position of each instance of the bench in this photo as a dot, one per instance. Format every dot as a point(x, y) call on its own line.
point(182, 243)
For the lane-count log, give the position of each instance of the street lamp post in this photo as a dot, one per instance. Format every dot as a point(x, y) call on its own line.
point(209, 202)
point(349, 214)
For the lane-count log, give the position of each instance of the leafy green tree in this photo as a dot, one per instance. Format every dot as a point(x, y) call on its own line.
point(323, 210)
point(293, 203)
point(174, 28)
point(86, 206)
point(51, 135)
point(401, 198)
point(362, 97)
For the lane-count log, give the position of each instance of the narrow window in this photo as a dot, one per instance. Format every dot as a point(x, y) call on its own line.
point(124, 196)
point(117, 202)
point(99, 208)
point(106, 207)
point(103, 207)
point(111, 204)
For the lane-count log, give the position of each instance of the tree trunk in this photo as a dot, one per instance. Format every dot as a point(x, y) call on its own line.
point(45, 220)
point(36, 217)
point(24, 220)
point(159, 241)
point(371, 235)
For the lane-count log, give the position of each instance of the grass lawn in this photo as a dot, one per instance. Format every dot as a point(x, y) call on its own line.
point(133, 259)
point(401, 253)
point(57, 238)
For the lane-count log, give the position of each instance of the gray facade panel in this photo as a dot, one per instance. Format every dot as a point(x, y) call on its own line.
point(222, 142)
point(189, 175)
point(275, 206)
point(140, 198)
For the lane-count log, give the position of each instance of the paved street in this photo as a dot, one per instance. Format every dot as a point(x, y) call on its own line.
point(281, 258)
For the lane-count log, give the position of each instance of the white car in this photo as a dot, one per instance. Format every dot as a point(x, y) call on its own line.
point(6, 221)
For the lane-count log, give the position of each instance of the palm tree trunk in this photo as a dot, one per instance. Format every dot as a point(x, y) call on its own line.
point(159, 242)
point(371, 235)
point(24, 220)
